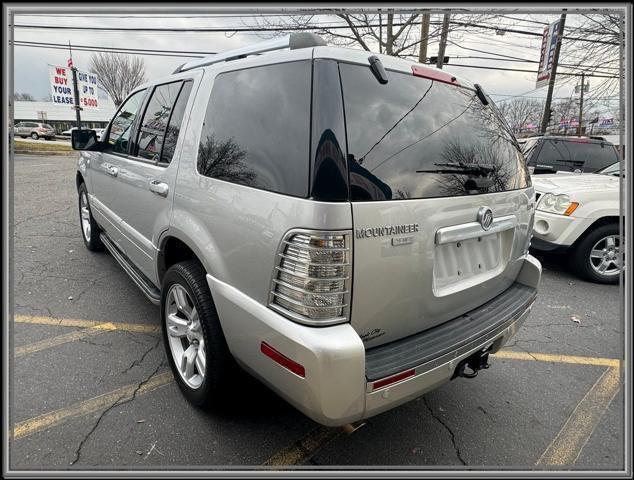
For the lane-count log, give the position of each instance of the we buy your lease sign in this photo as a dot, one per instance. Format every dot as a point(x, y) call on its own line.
point(61, 79)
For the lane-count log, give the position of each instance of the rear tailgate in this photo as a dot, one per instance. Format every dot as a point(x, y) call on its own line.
point(421, 254)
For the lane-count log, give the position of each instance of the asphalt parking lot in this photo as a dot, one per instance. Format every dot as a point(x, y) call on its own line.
point(91, 387)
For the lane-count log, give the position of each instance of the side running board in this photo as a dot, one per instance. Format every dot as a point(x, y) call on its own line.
point(148, 289)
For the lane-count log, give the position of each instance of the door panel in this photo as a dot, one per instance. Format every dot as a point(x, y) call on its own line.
point(105, 165)
point(145, 180)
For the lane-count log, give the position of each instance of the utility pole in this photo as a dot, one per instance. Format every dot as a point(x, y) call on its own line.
point(583, 78)
point(424, 38)
point(77, 107)
point(551, 82)
point(443, 40)
point(380, 33)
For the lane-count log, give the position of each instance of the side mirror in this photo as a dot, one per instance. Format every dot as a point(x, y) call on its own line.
point(84, 140)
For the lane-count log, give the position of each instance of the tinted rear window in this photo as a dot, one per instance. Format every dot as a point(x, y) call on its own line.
point(412, 124)
point(257, 128)
point(572, 155)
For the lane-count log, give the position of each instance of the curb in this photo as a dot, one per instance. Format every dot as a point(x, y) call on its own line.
point(40, 152)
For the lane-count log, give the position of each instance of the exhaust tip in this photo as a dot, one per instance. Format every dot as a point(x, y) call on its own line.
point(350, 428)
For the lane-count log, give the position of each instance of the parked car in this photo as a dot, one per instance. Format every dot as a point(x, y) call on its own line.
point(578, 215)
point(554, 153)
point(235, 191)
point(34, 130)
point(69, 132)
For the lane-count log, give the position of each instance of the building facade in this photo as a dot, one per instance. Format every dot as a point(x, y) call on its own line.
point(62, 117)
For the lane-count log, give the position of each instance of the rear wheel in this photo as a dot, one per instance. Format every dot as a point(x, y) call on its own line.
point(196, 347)
point(35, 136)
point(599, 257)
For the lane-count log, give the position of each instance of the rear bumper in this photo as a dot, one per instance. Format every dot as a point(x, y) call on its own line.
point(336, 389)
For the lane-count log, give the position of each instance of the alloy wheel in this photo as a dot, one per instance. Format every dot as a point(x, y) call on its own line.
point(185, 336)
point(605, 256)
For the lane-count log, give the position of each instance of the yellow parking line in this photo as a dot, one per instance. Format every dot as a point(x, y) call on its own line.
point(546, 357)
point(89, 406)
point(71, 322)
point(66, 338)
point(573, 436)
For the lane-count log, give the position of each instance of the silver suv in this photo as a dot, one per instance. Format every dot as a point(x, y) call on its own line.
point(351, 230)
point(34, 130)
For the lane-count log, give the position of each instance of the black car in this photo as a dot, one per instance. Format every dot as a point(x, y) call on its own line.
point(550, 154)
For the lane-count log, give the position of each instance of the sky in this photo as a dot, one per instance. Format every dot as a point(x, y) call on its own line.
point(31, 64)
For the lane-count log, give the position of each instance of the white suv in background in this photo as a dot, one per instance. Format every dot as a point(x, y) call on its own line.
point(578, 215)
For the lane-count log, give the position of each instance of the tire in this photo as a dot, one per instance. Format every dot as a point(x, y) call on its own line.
point(89, 228)
point(204, 334)
point(597, 247)
point(35, 136)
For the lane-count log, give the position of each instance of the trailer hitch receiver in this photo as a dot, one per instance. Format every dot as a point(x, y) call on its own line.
point(477, 361)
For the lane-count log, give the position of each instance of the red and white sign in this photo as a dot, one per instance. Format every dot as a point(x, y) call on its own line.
point(69, 62)
point(549, 42)
point(61, 79)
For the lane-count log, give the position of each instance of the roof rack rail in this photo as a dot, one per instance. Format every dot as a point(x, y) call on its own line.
point(293, 41)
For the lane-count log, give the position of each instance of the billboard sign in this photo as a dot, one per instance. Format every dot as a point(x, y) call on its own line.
point(549, 42)
point(61, 79)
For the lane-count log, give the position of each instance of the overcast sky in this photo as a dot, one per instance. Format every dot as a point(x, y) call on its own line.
point(31, 64)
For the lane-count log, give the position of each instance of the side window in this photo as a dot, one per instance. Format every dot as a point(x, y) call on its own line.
point(256, 130)
point(155, 120)
point(175, 123)
point(119, 134)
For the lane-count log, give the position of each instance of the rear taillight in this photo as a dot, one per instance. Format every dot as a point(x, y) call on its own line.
point(311, 281)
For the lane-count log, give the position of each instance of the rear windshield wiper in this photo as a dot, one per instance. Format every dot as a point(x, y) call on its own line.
point(461, 167)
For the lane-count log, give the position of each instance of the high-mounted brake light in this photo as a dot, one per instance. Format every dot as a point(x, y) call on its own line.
point(437, 75)
point(311, 281)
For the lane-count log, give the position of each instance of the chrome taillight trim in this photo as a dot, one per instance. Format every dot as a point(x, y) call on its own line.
point(306, 292)
point(313, 264)
point(307, 277)
point(312, 247)
point(346, 267)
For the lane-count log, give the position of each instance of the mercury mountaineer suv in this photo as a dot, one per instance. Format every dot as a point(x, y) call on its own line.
point(351, 229)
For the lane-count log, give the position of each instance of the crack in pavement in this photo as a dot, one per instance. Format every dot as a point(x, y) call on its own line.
point(116, 403)
point(442, 422)
point(140, 361)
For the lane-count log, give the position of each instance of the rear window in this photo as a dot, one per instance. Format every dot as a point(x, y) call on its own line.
point(46, 125)
point(412, 124)
point(256, 130)
point(571, 155)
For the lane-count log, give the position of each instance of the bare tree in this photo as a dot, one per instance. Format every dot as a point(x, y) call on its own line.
point(391, 33)
point(520, 111)
point(594, 49)
point(118, 74)
point(24, 97)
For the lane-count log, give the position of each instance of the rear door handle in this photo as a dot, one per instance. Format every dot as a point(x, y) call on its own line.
point(158, 187)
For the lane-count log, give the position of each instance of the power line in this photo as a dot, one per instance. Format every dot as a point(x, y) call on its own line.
point(186, 54)
point(294, 28)
point(527, 71)
point(119, 48)
point(102, 50)
point(570, 65)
